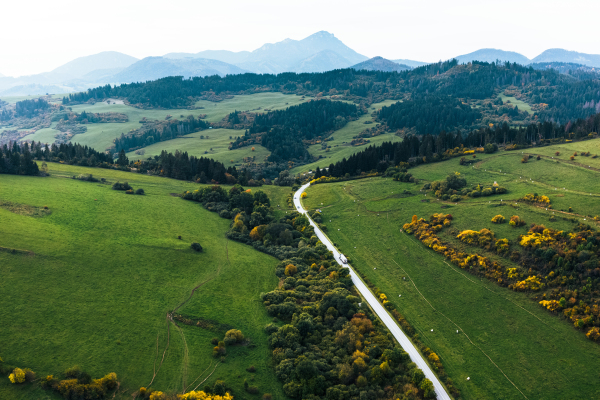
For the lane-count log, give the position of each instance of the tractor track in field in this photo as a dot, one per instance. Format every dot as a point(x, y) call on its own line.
point(170, 320)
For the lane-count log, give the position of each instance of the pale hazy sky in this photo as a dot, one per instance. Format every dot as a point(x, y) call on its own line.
point(38, 36)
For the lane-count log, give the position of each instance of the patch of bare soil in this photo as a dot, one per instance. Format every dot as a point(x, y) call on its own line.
point(25, 209)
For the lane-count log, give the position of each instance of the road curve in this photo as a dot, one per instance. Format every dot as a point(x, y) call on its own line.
point(381, 312)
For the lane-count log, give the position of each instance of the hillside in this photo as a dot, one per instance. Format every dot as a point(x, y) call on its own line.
point(492, 55)
point(365, 219)
point(152, 68)
point(381, 64)
point(566, 56)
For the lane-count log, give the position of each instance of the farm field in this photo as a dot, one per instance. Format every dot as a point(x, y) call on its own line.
point(104, 270)
point(534, 354)
point(340, 145)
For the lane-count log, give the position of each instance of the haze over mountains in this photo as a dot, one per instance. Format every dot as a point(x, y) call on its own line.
point(319, 52)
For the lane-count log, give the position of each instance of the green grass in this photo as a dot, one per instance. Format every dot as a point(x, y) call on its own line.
point(545, 357)
point(568, 149)
point(45, 135)
point(216, 147)
point(13, 99)
point(516, 102)
point(106, 270)
point(340, 146)
point(101, 136)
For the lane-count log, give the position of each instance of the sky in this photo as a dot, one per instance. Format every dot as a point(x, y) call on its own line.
point(39, 36)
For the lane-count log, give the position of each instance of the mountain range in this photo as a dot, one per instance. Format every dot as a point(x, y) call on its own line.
point(319, 52)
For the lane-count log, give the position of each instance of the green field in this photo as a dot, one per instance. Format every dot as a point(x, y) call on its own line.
point(101, 136)
point(543, 356)
point(516, 102)
point(340, 145)
point(106, 268)
point(215, 147)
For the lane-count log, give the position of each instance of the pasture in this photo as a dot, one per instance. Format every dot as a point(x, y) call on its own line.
point(507, 344)
point(340, 145)
point(103, 270)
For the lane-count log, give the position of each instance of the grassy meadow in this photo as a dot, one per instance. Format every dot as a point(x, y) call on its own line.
point(516, 102)
point(215, 147)
point(508, 345)
point(100, 136)
point(102, 271)
point(340, 145)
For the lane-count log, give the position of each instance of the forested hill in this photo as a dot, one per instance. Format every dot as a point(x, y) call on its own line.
point(553, 96)
point(283, 131)
point(429, 114)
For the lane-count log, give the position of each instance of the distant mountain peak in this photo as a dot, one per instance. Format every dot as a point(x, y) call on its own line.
point(381, 64)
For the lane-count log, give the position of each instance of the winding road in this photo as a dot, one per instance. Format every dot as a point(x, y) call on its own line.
point(381, 312)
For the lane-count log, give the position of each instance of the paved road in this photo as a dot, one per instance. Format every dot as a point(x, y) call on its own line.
point(381, 312)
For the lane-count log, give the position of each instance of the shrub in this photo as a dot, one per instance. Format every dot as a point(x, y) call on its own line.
point(196, 247)
point(290, 270)
point(73, 372)
point(303, 195)
point(233, 336)
point(121, 186)
point(524, 159)
point(17, 376)
point(498, 219)
point(557, 153)
point(252, 390)
point(516, 221)
point(130, 191)
point(572, 158)
point(267, 396)
point(538, 158)
point(140, 191)
point(251, 368)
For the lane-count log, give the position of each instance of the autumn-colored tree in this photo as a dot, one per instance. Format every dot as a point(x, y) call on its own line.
point(253, 148)
point(290, 270)
point(303, 195)
point(258, 232)
point(557, 153)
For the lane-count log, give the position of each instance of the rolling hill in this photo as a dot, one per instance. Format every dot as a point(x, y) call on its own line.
point(566, 56)
point(410, 63)
point(380, 64)
point(151, 68)
point(84, 65)
point(491, 55)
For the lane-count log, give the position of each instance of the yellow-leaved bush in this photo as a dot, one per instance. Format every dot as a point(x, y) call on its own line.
point(17, 376)
point(203, 396)
point(498, 219)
